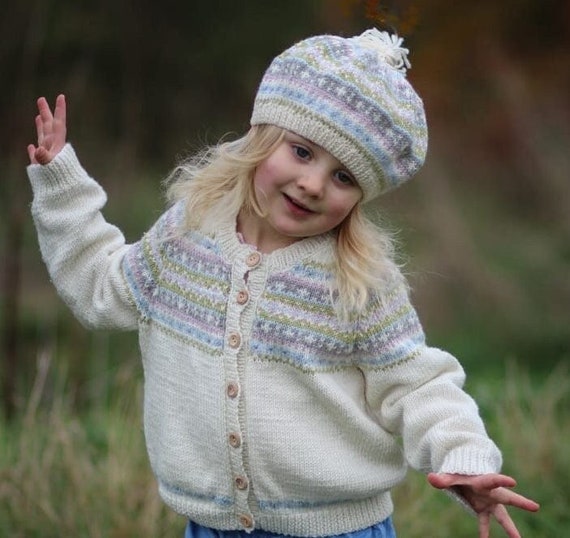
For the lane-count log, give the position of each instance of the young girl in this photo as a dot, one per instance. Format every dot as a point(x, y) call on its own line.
point(287, 379)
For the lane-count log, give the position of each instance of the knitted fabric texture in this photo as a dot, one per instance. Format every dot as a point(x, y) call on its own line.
point(351, 97)
point(262, 408)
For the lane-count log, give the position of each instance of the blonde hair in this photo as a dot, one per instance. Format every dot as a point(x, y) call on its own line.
point(220, 179)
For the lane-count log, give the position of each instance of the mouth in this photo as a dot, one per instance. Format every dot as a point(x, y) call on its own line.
point(296, 206)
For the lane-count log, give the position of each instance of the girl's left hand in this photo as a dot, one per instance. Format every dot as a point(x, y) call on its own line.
point(487, 494)
point(51, 130)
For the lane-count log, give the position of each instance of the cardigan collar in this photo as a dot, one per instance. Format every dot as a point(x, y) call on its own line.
point(281, 258)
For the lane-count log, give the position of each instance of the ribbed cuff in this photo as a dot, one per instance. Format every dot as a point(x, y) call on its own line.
point(63, 171)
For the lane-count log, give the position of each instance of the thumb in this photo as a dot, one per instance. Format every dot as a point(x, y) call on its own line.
point(32, 154)
point(441, 481)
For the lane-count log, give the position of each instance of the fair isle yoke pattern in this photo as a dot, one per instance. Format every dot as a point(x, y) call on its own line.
point(342, 97)
point(297, 325)
point(181, 283)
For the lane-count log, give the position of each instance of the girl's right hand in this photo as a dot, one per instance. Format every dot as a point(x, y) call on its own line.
point(488, 495)
point(51, 129)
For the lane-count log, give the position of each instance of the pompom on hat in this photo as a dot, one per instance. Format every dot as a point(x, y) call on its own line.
point(351, 97)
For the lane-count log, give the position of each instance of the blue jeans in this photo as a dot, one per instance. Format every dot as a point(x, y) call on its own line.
point(383, 529)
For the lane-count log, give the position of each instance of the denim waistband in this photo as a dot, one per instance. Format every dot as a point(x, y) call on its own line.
point(383, 529)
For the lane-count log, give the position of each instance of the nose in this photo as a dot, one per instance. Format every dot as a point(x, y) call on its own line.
point(312, 183)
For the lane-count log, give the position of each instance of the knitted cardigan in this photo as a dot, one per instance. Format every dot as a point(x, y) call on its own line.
point(262, 409)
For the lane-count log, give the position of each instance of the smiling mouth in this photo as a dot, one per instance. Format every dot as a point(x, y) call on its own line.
point(297, 205)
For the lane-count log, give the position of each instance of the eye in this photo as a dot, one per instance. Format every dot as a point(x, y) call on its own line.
point(301, 152)
point(344, 177)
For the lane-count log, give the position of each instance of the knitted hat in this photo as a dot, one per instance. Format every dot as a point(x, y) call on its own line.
point(351, 97)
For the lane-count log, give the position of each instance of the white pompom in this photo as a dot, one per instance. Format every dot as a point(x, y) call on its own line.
point(387, 46)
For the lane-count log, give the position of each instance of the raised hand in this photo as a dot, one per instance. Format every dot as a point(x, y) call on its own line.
point(487, 494)
point(51, 129)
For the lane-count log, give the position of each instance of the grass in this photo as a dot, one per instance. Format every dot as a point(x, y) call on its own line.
point(64, 473)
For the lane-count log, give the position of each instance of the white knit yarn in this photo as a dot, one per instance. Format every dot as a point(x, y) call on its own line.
point(387, 46)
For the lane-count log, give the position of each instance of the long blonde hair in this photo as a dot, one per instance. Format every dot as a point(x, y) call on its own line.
point(220, 179)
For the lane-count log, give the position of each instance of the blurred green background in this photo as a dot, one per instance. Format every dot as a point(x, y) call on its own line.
point(484, 228)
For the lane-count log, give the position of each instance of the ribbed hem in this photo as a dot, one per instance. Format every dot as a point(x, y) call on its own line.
point(308, 522)
point(329, 520)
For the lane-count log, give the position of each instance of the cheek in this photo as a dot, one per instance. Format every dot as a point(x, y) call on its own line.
point(341, 207)
point(262, 177)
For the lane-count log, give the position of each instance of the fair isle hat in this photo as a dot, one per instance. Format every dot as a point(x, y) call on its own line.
point(351, 97)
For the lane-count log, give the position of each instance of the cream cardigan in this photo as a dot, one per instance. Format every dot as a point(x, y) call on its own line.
point(261, 408)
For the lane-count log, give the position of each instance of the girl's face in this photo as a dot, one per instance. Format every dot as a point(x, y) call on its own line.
point(303, 191)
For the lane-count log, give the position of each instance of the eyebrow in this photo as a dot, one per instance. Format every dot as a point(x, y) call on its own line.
point(305, 141)
point(291, 134)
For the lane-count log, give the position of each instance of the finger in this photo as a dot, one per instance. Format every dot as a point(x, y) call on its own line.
point(42, 155)
point(40, 129)
point(504, 519)
point(492, 481)
point(60, 109)
point(484, 524)
point(508, 497)
point(44, 110)
point(480, 482)
point(59, 127)
point(32, 153)
point(444, 480)
point(440, 481)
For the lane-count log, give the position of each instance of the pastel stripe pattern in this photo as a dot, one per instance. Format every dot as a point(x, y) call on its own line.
point(342, 97)
point(180, 283)
point(183, 283)
point(297, 325)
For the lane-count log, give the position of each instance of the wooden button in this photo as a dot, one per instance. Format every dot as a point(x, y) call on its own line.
point(246, 521)
point(234, 340)
point(234, 439)
point(232, 390)
point(242, 297)
point(253, 259)
point(241, 482)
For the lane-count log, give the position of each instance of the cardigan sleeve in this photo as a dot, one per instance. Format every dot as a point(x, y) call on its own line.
point(84, 254)
point(416, 392)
